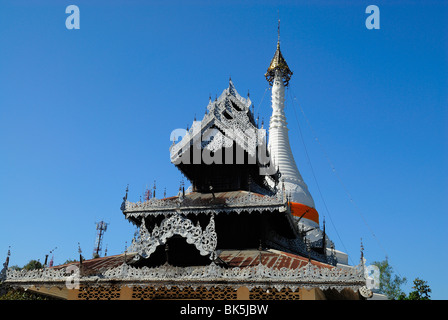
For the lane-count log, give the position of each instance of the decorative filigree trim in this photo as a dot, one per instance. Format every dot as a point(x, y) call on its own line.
point(248, 203)
point(36, 274)
point(260, 276)
point(205, 241)
point(197, 211)
point(252, 199)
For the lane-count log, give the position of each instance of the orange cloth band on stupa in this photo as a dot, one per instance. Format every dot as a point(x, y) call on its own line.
point(297, 209)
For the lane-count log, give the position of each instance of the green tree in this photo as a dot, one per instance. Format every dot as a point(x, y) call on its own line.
point(421, 291)
point(15, 267)
point(390, 283)
point(33, 264)
point(70, 261)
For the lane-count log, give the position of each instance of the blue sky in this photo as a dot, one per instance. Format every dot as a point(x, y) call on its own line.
point(85, 112)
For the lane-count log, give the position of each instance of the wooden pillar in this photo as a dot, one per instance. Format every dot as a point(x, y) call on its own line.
point(313, 294)
point(242, 293)
point(126, 293)
point(72, 294)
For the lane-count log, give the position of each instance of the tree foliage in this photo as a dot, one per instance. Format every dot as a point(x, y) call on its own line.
point(33, 264)
point(421, 291)
point(20, 294)
point(70, 261)
point(390, 283)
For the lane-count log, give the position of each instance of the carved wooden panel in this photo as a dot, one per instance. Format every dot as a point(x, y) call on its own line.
point(201, 293)
point(99, 293)
point(273, 294)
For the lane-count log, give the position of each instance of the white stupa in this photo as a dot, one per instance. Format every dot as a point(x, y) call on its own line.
point(303, 208)
point(302, 203)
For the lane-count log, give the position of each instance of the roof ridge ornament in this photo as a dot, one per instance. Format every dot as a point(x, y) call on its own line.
point(3, 272)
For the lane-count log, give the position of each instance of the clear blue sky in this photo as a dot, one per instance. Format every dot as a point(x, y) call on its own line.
point(85, 112)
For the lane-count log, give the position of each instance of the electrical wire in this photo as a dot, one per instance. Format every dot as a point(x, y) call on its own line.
point(314, 176)
point(259, 105)
point(358, 209)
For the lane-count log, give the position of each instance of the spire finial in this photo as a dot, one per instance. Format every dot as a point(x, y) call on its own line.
point(278, 29)
point(278, 63)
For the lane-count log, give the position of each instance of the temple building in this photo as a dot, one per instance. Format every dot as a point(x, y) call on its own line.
point(246, 229)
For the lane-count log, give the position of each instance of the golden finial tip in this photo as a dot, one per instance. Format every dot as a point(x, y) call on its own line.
point(278, 63)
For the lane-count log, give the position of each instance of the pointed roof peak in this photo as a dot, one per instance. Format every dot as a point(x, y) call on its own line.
point(232, 89)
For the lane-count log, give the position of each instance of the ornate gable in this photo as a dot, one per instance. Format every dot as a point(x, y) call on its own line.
point(227, 135)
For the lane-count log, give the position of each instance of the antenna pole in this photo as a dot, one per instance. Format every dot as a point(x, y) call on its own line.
point(101, 227)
